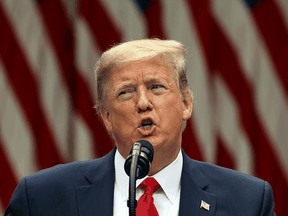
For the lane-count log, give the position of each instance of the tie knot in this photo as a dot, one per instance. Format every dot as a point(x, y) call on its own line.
point(150, 185)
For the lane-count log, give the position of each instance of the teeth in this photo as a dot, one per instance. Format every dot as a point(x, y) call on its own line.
point(146, 126)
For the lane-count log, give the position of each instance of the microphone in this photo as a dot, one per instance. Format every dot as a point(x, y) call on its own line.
point(137, 166)
point(141, 157)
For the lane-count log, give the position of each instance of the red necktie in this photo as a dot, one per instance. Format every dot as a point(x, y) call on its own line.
point(145, 205)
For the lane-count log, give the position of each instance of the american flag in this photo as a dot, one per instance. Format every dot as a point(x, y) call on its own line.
point(237, 69)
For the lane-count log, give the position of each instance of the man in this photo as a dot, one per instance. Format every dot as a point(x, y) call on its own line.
point(142, 93)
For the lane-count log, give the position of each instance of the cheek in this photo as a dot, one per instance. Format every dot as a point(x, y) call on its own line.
point(122, 116)
point(172, 115)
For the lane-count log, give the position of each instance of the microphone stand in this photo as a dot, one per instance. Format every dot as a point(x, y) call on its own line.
point(132, 202)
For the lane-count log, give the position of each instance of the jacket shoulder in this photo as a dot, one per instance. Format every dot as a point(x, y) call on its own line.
point(57, 186)
point(218, 173)
point(73, 172)
point(62, 172)
point(233, 189)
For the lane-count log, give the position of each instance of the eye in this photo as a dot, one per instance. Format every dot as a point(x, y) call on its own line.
point(126, 94)
point(122, 93)
point(156, 87)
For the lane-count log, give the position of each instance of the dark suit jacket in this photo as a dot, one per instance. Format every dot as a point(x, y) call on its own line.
point(87, 189)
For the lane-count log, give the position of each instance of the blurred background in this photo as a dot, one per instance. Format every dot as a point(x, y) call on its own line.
point(237, 68)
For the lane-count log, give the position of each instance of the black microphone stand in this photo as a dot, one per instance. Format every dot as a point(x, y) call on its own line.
point(132, 202)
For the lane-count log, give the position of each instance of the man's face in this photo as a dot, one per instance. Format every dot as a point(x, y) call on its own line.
point(143, 102)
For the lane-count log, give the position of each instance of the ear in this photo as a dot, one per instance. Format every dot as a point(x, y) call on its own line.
point(106, 117)
point(187, 108)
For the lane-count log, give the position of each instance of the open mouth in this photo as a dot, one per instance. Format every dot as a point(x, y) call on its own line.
point(147, 127)
point(146, 124)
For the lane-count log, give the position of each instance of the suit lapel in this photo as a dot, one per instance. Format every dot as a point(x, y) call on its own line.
point(96, 198)
point(193, 184)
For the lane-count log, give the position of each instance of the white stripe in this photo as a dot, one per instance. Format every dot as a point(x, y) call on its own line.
point(15, 131)
point(180, 26)
point(87, 53)
point(1, 208)
point(28, 26)
point(84, 149)
point(283, 8)
point(270, 99)
point(228, 121)
point(127, 18)
point(86, 57)
point(70, 7)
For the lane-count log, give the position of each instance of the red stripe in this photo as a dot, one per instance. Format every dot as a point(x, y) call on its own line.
point(25, 86)
point(60, 31)
point(275, 34)
point(220, 57)
point(223, 156)
point(106, 33)
point(153, 17)
point(84, 105)
point(190, 142)
point(61, 36)
point(82, 98)
point(8, 180)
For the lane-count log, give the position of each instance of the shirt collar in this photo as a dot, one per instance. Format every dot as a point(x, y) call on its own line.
point(168, 178)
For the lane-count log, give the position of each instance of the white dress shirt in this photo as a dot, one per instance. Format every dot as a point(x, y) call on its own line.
point(166, 199)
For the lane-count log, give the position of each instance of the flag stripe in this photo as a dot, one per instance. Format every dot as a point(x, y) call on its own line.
point(190, 143)
point(61, 35)
point(43, 63)
point(231, 141)
point(9, 181)
point(24, 85)
point(265, 82)
point(1, 207)
point(265, 158)
point(106, 38)
point(84, 148)
point(154, 21)
point(84, 106)
point(283, 8)
point(84, 143)
point(15, 131)
point(224, 157)
point(275, 37)
point(131, 23)
point(87, 53)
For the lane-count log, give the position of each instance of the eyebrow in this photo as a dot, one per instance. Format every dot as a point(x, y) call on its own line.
point(152, 80)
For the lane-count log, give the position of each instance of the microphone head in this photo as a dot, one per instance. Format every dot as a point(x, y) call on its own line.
point(145, 159)
point(146, 147)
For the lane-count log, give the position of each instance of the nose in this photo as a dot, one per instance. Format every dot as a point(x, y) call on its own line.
point(143, 101)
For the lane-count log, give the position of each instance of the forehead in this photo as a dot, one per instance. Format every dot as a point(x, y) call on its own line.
point(141, 70)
